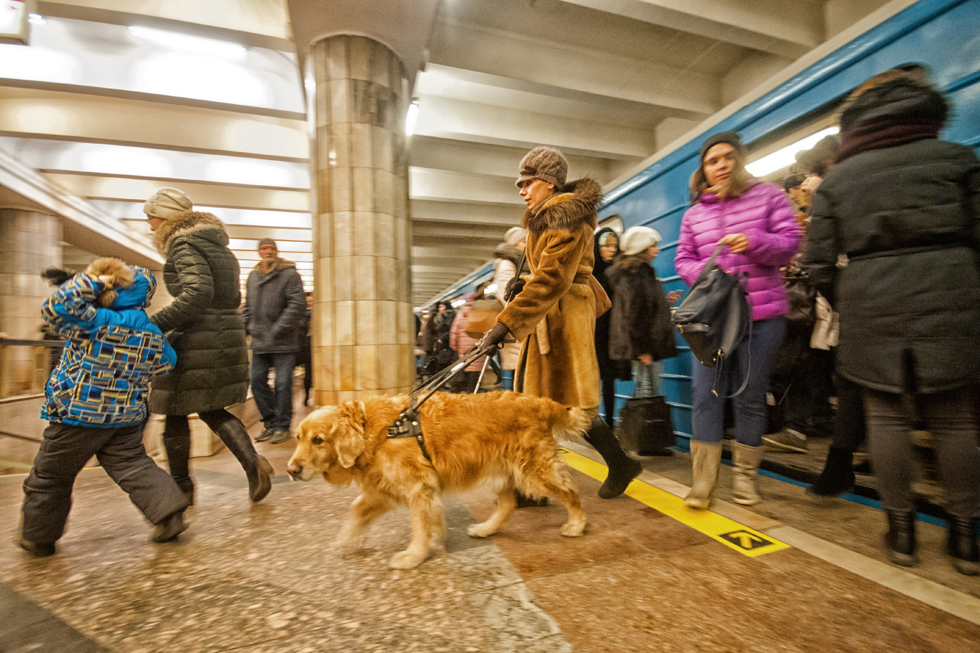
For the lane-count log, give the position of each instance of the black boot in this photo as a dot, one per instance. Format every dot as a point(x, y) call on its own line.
point(258, 470)
point(900, 538)
point(177, 442)
point(961, 545)
point(622, 468)
point(837, 476)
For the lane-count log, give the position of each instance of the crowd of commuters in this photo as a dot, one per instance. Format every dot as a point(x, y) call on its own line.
point(861, 272)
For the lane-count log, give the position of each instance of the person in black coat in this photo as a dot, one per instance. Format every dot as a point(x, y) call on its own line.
point(640, 329)
point(904, 207)
point(606, 250)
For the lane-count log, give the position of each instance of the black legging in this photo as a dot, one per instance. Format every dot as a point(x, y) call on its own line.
point(177, 440)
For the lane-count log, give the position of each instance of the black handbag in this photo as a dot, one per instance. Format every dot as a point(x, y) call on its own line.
point(715, 317)
point(645, 426)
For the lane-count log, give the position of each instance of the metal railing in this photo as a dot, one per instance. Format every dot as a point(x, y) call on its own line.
point(20, 382)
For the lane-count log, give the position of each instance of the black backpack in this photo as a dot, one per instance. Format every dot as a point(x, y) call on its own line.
point(715, 317)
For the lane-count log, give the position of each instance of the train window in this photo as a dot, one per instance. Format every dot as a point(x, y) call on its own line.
point(613, 221)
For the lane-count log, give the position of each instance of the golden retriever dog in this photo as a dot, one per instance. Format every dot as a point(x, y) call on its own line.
point(507, 439)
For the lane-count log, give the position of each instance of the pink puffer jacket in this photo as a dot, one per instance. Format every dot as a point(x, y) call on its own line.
point(765, 215)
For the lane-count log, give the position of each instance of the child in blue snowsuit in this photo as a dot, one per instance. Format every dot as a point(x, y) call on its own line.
point(96, 403)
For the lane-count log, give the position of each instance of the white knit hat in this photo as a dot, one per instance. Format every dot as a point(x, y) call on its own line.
point(637, 239)
point(166, 203)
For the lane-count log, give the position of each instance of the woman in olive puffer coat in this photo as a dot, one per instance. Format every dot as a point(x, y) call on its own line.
point(204, 327)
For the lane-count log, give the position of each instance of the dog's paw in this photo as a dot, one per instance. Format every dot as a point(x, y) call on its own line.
point(406, 560)
point(573, 529)
point(481, 530)
point(345, 544)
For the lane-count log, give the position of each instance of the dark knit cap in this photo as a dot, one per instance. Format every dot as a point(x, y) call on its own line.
point(545, 163)
point(266, 241)
point(721, 137)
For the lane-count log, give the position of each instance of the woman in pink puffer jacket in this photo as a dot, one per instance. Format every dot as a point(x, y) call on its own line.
point(755, 220)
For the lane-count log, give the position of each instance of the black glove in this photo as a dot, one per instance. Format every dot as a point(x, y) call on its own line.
point(513, 288)
point(491, 339)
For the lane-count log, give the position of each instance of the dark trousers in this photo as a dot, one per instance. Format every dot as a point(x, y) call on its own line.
point(62, 455)
point(708, 416)
point(275, 405)
point(949, 418)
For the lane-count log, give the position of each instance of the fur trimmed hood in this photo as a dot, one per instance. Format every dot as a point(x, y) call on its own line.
point(281, 264)
point(627, 263)
point(508, 253)
point(577, 202)
point(186, 223)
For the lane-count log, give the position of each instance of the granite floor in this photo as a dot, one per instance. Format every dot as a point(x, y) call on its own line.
point(263, 578)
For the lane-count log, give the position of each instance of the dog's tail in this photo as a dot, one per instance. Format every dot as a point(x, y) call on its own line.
point(570, 423)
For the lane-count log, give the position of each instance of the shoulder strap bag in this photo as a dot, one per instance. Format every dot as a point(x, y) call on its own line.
point(715, 317)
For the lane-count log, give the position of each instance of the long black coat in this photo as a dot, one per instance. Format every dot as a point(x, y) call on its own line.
point(908, 218)
point(640, 316)
point(202, 324)
point(608, 368)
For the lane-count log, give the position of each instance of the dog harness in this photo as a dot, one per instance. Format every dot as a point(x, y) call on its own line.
point(409, 424)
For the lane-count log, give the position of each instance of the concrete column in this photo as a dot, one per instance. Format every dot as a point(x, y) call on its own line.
point(29, 243)
point(363, 338)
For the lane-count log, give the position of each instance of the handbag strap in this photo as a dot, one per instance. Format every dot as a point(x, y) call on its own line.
point(709, 263)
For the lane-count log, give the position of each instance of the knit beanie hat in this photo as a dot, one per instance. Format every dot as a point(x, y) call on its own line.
point(721, 137)
point(166, 203)
point(546, 164)
point(638, 239)
point(514, 235)
point(266, 241)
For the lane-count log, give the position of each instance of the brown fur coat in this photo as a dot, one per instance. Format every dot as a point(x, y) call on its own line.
point(554, 315)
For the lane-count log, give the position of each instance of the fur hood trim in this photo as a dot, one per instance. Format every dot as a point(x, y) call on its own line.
point(577, 202)
point(281, 264)
point(628, 263)
point(110, 266)
point(508, 253)
point(183, 224)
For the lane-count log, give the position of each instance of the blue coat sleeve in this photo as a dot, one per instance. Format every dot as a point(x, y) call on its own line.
point(71, 309)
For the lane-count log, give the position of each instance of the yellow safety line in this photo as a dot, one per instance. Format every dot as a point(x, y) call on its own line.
point(736, 536)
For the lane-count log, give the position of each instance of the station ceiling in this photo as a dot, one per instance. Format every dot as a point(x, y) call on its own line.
point(115, 98)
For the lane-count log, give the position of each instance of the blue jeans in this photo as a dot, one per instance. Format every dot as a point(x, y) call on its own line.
point(708, 417)
point(275, 405)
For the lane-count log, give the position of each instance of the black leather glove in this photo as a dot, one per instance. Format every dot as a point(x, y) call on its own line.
point(513, 288)
point(491, 339)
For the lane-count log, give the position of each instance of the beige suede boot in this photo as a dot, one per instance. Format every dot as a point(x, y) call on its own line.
point(705, 460)
point(745, 467)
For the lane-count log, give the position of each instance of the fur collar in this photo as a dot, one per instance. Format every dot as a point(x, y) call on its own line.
point(281, 264)
point(183, 224)
point(576, 203)
point(508, 253)
point(628, 263)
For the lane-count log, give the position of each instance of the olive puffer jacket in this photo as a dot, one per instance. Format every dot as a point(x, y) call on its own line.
point(908, 219)
point(202, 324)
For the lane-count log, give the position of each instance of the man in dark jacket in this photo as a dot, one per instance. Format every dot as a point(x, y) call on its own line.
point(274, 308)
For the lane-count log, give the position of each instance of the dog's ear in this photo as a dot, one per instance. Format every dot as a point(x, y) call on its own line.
point(350, 434)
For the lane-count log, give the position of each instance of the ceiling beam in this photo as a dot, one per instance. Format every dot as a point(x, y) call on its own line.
point(788, 29)
point(505, 215)
point(481, 123)
point(54, 115)
point(137, 190)
point(536, 65)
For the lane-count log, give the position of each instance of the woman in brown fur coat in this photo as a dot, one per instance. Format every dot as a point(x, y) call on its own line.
point(552, 312)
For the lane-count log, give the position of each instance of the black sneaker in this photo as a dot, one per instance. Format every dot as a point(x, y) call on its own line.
point(37, 550)
point(278, 437)
point(265, 434)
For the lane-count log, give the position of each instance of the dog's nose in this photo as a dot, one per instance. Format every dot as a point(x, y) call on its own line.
point(294, 470)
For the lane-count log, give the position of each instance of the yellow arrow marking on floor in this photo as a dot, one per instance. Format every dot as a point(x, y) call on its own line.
point(727, 531)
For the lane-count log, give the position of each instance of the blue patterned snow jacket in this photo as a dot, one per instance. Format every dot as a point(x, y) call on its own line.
point(110, 356)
